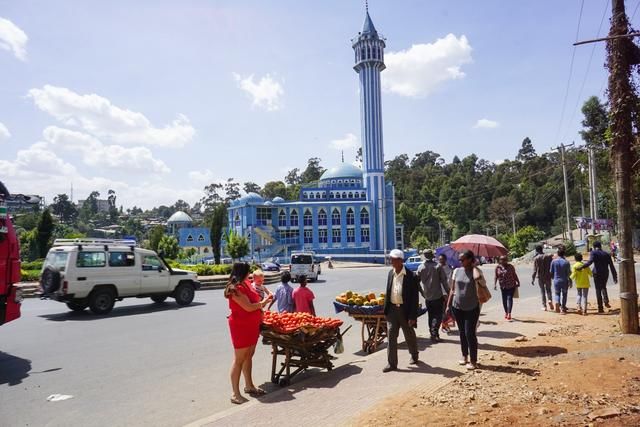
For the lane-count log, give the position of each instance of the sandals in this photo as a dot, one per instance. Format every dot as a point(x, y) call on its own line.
point(255, 391)
point(238, 400)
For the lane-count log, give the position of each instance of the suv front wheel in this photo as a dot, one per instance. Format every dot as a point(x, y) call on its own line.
point(101, 301)
point(184, 294)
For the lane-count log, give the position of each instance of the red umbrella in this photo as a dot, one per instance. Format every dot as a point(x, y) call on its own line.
point(480, 244)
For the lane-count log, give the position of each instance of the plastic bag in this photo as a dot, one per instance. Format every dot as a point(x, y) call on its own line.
point(338, 347)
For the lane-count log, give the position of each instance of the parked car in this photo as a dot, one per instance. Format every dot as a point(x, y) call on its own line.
point(269, 266)
point(304, 263)
point(413, 262)
point(95, 273)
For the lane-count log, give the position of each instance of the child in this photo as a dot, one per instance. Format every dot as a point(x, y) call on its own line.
point(581, 279)
point(284, 295)
point(303, 297)
point(258, 284)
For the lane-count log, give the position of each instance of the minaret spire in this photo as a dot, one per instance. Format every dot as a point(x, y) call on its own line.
point(342, 156)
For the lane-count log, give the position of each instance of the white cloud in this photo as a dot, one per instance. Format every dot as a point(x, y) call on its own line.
point(34, 162)
point(421, 69)
point(4, 132)
point(96, 154)
point(98, 116)
point(347, 142)
point(267, 93)
point(204, 177)
point(13, 39)
point(486, 124)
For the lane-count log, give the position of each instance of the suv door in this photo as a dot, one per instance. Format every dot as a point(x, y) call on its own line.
point(155, 276)
point(124, 272)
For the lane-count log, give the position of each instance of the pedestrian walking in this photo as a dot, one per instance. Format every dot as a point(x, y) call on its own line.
point(283, 296)
point(542, 268)
point(560, 271)
point(258, 284)
point(433, 279)
point(303, 297)
point(244, 325)
point(580, 277)
point(506, 275)
point(463, 301)
point(602, 263)
point(448, 321)
point(401, 309)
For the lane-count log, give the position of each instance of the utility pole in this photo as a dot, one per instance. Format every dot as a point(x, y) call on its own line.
point(593, 192)
point(622, 99)
point(562, 148)
point(622, 53)
point(581, 207)
point(513, 222)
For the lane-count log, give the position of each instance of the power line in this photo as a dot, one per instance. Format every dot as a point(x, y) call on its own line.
point(586, 73)
point(566, 93)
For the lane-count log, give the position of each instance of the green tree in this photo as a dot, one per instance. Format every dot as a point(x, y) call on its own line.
point(293, 177)
point(217, 221)
point(63, 208)
point(168, 246)
point(212, 196)
point(518, 242)
point(526, 152)
point(155, 235)
point(274, 189)
point(113, 209)
point(232, 191)
point(313, 172)
point(595, 122)
point(45, 230)
point(237, 245)
point(251, 187)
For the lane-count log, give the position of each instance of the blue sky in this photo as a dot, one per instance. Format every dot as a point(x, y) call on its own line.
point(156, 99)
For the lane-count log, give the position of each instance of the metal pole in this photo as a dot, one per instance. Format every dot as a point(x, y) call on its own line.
point(513, 222)
point(592, 200)
point(581, 207)
point(561, 148)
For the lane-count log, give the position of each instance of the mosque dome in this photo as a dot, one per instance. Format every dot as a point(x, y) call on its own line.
point(344, 170)
point(179, 217)
point(278, 200)
point(250, 199)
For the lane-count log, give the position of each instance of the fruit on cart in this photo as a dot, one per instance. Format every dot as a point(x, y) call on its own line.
point(371, 296)
point(288, 323)
point(351, 301)
point(349, 294)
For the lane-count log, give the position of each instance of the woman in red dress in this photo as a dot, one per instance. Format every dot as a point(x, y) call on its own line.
point(244, 323)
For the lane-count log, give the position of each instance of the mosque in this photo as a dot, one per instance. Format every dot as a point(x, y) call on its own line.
point(349, 213)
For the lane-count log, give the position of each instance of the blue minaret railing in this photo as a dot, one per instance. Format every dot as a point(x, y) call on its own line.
point(368, 48)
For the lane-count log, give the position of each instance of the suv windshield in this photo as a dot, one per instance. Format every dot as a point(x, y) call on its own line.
point(301, 259)
point(57, 260)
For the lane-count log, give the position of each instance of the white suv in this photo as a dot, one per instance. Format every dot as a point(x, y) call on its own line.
point(95, 273)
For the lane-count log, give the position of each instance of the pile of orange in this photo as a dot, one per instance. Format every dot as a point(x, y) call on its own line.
point(288, 323)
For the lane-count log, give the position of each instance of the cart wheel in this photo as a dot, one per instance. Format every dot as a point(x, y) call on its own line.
point(371, 349)
point(365, 347)
point(275, 381)
point(330, 368)
point(284, 382)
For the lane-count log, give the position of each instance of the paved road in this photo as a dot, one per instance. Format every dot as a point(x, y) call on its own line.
point(144, 364)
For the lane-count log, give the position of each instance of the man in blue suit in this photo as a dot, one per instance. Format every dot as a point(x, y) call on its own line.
point(602, 263)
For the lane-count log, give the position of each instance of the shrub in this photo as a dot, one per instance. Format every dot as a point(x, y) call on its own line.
point(32, 265)
point(519, 242)
point(30, 275)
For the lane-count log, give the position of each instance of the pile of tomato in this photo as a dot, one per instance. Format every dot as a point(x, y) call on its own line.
point(289, 323)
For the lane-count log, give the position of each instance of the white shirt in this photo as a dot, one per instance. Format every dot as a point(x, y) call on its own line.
point(396, 286)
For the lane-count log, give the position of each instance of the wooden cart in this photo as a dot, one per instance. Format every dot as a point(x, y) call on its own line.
point(373, 332)
point(299, 352)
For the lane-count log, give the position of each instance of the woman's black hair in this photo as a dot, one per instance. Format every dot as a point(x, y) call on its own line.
point(442, 256)
point(468, 254)
point(302, 279)
point(239, 273)
point(578, 256)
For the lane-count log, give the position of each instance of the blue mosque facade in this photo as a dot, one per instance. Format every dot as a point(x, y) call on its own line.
point(350, 212)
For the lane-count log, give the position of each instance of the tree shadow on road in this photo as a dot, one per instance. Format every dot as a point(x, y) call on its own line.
point(498, 334)
point(129, 310)
point(13, 369)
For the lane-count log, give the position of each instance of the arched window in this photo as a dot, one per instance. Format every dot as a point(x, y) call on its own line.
point(364, 216)
point(322, 217)
point(294, 218)
point(363, 195)
point(189, 238)
point(335, 217)
point(362, 54)
point(350, 195)
point(237, 219)
point(307, 219)
point(282, 218)
point(317, 195)
point(201, 238)
point(312, 195)
point(351, 217)
point(344, 195)
point(337, 195)
point(339, 182)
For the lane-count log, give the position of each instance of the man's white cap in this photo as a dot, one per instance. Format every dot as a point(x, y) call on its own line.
point(396, 253)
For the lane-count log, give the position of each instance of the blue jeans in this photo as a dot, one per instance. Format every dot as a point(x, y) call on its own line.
point(560, 290)
point(507, 299)
point(582, 298)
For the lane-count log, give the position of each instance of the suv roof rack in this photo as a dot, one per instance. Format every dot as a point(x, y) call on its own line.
point(95, 241)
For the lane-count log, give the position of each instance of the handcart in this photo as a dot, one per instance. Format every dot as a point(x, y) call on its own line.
point(373, 331)
point(299, 351)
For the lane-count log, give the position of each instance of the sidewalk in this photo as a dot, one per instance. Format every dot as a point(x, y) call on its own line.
point(346, 394)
